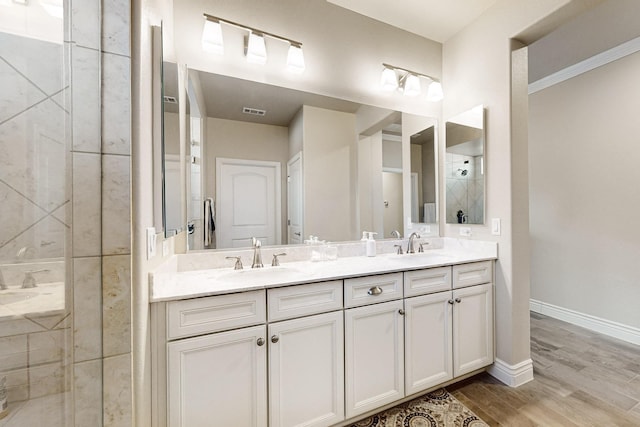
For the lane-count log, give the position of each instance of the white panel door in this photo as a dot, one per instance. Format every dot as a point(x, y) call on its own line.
point(306, 371)
point(218, 380)
point(374, 356)
point(472, 328)
point(295, 213)
point(248, 202)
point(428, 343)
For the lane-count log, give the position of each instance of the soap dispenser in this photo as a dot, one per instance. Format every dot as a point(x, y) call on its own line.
point(371, 245)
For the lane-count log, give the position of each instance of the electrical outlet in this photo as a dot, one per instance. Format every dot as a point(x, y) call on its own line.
point(465, 231)
point(151, 242)
point(495, 226)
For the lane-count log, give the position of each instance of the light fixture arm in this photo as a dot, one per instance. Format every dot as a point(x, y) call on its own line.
point(251, 29)
point(393, 67)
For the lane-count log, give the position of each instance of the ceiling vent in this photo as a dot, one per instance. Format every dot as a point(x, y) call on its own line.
point(253, 111)
point(170, 99)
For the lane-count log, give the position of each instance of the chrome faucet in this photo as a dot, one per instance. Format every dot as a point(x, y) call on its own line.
point(410, 244)
point(396, 234)
point(257, 256)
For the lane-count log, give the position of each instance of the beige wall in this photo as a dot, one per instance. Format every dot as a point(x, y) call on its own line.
point(329, 147)
point(584, 192)
point(477, 70)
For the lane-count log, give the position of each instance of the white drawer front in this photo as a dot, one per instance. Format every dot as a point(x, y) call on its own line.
point(303, 300)
point(372, 289)
point(217, 313)
point(427, 281)
point(471, 274)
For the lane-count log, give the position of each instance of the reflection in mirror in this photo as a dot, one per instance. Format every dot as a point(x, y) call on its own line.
point(423, 176)
point(392, 179)
point(465, 183)
point(173, 222)
point(309, 158)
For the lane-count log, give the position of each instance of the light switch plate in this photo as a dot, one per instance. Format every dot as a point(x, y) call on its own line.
point(465, 231)
point(495, 226)
point(151, 242)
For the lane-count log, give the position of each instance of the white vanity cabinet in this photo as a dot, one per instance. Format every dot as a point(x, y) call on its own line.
point(374, 342)
point(319, 354)
point(448, 325)
point(219, 376)
point(306, 363)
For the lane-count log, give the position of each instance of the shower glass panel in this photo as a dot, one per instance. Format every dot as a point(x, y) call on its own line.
point(35, 311)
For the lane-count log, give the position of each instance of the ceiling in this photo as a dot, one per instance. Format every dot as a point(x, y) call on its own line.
point(434, 19)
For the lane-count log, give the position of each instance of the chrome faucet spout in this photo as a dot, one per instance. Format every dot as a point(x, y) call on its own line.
point(257, 255)
point(410, 249)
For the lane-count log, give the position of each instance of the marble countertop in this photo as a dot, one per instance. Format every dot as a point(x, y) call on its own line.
point(168, 283)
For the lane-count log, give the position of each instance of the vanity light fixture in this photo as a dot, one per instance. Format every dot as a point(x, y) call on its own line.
point(256, 50)
point(255, 46)
point(212, 37)
point(409, 82)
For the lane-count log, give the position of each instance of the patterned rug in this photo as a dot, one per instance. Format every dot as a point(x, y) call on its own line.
point(435, 409)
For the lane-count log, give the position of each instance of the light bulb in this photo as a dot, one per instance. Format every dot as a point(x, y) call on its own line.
point(434, 93)
point(256, 49)
point(295, 59)
point(412, 85)
point(388, 80)
point(212, 37)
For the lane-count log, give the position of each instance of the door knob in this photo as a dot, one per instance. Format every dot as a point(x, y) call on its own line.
point(450, 301)
point(401, 312)
point(458, 300)
point(260, 342)
point(275, 339)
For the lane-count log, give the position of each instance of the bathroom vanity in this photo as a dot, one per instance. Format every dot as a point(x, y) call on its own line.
point(318, 344)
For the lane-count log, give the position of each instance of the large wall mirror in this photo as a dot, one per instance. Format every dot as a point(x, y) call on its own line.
point(280, 165)
point(465, 167)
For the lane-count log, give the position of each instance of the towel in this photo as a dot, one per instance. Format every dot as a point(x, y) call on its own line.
point(209, 222)
point(429, 213)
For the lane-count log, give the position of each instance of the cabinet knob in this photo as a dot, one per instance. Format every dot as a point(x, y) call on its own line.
point(458, 300)
point(260, 342)
point(275, 339)
point(450, 301)
point(376, 290)
point(401, 312)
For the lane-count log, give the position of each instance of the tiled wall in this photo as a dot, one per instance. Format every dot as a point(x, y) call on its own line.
point(33, 201)
point(101, 236)
point(464, 192)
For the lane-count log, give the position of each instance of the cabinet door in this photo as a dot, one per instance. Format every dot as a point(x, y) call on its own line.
point(472, 328)
point(374, 356)
point(218, 379)
point(428, 342)
point(306, 371)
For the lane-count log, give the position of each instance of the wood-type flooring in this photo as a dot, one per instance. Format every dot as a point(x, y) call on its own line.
point(581, 378)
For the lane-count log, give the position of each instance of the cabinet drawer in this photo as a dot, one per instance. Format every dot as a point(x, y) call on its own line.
point(471, 274)
point(303, 300)
point(218, 313)
point(372, 289)
point(427, 281)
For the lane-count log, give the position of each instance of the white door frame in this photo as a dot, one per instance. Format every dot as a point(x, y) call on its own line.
point(293, 159)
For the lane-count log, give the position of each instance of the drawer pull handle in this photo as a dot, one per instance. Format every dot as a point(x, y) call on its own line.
point(260, 342)
point(275, 339)
point(450, 301)
point(401, 312)
point(376, 290)
point(458, 300)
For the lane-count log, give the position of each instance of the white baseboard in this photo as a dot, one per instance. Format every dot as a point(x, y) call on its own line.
point(603, 326)
point(512, 375)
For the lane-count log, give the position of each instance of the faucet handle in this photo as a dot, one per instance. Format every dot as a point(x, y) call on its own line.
point(399, 252)
point(421, 246)
point(276, 262)
point(238, 264)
